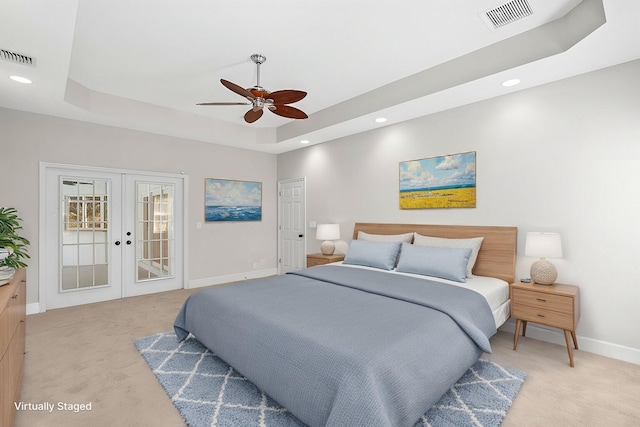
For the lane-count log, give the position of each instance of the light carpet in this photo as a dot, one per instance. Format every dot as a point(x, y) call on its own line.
point(208, 392)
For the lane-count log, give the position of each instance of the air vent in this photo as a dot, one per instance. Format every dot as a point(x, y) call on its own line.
point(508, 13)
point(17, 58)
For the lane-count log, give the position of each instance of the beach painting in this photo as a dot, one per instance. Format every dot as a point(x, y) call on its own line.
point(439, 182)
point(230, 200)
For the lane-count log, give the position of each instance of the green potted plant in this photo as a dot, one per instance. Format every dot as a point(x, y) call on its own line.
point(13, 248)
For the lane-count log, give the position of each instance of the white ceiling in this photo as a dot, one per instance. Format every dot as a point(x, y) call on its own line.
point(144, 64)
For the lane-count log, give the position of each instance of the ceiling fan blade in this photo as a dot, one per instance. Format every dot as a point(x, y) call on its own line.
point(289, 112)
point(286, 96)
point(237, 89)
point(224, 103)
point(252, 115)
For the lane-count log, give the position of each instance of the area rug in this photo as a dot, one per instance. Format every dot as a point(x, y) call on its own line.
point(208, 392)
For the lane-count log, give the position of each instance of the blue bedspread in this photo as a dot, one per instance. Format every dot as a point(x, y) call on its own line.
point(340, 346)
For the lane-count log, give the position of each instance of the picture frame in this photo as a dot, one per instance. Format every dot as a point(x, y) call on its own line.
point(447, 181)
point(232, 200)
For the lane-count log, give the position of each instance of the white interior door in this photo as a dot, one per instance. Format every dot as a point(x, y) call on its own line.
point(291, 225)
point(108, 235)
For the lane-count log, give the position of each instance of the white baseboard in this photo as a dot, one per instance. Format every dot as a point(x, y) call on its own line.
point(555, 336)
point(219, 280)
point(33, 308)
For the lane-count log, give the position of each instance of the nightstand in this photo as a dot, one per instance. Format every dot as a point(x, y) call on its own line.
point(319, 259)
point(555, 305)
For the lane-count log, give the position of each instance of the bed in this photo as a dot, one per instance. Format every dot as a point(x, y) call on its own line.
point(355, 344)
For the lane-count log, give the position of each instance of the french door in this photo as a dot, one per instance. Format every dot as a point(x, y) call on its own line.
point(109, 235)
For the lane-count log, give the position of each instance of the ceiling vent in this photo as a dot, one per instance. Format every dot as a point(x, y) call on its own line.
point(17, 58)
point(508, 13)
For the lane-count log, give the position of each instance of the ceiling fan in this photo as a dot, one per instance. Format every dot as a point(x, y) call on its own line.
point(259, 98)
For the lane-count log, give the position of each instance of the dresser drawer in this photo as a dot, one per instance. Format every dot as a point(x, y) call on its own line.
point(12, 341)
point(544, 317)
point(546, 301)
point(14, 310)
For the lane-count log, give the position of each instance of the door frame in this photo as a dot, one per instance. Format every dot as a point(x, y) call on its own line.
point(42, 253)
point(304, 219)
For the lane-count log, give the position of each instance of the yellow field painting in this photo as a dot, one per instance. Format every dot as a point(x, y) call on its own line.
point(439, 182)
point(446, 198)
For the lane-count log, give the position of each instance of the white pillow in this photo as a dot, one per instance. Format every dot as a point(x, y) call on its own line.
point(446, 263)
point(407, 237)
point(439, 242)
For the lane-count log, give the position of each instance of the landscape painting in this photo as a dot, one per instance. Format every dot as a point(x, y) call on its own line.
point(439, 182)
point(230, 200)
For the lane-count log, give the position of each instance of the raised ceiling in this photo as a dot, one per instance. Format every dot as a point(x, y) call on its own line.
point(145, 64)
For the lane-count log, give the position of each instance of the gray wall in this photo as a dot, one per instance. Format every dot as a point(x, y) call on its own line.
point(561, 157)
point(215, 250)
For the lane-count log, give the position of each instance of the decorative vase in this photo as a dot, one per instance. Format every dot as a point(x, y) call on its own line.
point(6, 274)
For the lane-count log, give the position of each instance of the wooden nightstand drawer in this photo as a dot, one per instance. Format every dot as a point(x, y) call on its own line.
point(544, 317)
point(541, 300)
point(319, 259)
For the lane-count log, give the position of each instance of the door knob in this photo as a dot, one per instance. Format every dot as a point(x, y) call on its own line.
point(128, 233)
point(117, 242)
point(128, 242)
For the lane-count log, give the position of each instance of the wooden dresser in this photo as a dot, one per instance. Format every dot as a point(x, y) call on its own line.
point(12, 344)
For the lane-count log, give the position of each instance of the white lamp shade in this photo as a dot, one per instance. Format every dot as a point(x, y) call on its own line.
point(543, 245)
point(328, 232)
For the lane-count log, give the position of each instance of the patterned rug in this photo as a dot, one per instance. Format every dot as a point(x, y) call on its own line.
point(208, 392)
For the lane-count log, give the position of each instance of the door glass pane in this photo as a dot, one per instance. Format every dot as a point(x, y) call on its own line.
point(85, 208)
point(154, 230)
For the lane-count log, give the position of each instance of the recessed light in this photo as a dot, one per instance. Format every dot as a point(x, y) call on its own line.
point(304, 141)
point(381, 119)
point(511, 82)
point(20, 79)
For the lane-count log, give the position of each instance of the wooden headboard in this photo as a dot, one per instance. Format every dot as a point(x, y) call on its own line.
point(497, 256)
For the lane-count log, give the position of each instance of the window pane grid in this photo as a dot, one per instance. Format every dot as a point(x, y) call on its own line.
point(154, 237)
point(84, 233)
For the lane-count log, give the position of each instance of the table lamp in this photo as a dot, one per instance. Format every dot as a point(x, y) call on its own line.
point(543, 245)
point(328, 232)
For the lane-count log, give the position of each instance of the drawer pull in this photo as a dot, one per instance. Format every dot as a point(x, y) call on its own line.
point(15, 296)
point(540, 315)
point(541, 300)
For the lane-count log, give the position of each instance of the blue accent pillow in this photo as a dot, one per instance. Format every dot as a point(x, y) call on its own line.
point(373, 254)
point(446, 263)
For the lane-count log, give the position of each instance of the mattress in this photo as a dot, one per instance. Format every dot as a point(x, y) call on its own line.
point(495, 291)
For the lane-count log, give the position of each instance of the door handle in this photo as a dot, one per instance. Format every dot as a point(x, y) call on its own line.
point(300, 235)
point(128, 242)
point(117, 242)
